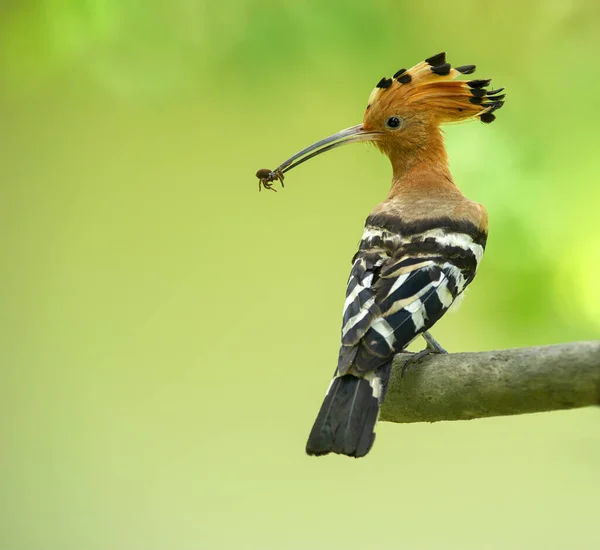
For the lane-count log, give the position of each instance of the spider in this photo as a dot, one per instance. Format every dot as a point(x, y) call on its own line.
point(266, 178)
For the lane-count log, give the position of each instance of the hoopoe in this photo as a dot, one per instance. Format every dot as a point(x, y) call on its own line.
point(420, 247)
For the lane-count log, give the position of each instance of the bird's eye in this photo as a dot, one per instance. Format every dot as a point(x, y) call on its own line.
point(393, 122)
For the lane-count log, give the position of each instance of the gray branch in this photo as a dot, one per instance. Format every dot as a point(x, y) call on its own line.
point(462, 386)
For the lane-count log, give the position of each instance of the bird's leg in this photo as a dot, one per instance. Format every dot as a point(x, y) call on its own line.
point(433, 346)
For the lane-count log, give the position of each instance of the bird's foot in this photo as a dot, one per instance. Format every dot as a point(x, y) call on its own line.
point(433, 347)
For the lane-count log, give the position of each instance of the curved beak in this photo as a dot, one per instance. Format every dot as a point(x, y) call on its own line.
point(349, 135)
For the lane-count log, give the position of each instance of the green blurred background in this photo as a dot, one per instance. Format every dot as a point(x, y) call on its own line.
point(168, 332)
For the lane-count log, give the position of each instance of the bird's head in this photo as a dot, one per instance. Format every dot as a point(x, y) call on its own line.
point(405, 110)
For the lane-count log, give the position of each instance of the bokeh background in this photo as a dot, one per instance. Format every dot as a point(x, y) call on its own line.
point(168, 332)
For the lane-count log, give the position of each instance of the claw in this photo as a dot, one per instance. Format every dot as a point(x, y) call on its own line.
point(414, 359)
point(433, 347)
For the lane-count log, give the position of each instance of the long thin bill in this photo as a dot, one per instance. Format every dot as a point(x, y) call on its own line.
point(349, 135)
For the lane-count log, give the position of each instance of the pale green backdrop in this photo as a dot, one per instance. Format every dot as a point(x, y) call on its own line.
point(168, 332)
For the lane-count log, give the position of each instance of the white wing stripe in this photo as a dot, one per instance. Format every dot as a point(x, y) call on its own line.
point(461, 240)
point(352, 296)
point(398, 282)
point(359, 316)
point(445, 295)
point(385, 330)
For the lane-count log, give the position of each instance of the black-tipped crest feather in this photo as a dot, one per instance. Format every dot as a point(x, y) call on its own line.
point(442, 70)
point(466, 69)
point(438, 59)
point(435, 90)
point(384, 83)
point(479, 83)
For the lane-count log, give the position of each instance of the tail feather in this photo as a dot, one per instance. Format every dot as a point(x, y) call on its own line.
point(346, 422)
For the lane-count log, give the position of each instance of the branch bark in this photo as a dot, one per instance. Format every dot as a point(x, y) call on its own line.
point(462, 386)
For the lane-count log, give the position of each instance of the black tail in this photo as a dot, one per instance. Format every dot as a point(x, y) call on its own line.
point(346, 422)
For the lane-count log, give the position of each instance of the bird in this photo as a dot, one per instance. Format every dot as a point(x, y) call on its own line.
point(420, 247)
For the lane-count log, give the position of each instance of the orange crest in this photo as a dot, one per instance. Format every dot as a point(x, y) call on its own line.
point(430, 88)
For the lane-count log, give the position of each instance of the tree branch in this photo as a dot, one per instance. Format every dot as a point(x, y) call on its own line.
point(462, 386)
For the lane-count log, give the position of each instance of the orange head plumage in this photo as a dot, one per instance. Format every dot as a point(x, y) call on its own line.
point(404, 109)
point(404, 112)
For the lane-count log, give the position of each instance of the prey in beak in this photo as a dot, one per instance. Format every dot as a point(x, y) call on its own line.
point(267, 177)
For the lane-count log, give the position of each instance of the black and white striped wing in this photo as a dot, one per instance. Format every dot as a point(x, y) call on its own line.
point(360, 307)
point(396, 293)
